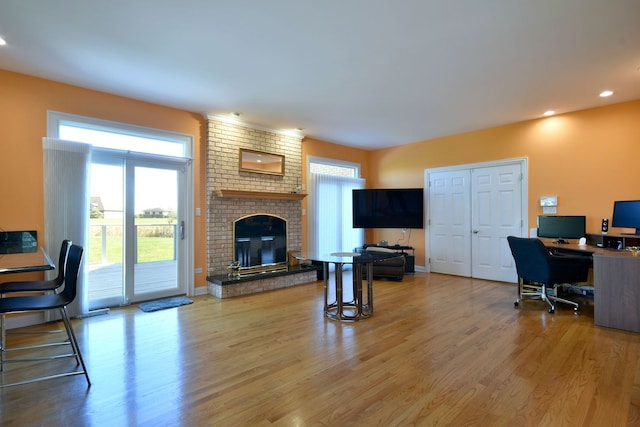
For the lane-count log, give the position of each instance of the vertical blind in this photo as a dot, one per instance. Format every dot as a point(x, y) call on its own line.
point(66, 204)
point(330, 214)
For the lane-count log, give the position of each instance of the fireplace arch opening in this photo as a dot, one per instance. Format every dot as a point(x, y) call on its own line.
point(260, 243)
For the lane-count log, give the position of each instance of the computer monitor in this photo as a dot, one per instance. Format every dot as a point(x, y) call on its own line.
point(562, 226)
point(16, 242)
point(626, 214)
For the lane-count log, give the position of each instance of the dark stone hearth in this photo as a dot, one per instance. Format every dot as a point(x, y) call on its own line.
point(223, 286)
point(225, 279)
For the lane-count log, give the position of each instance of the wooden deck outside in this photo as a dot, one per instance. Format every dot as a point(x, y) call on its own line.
point(106, 280)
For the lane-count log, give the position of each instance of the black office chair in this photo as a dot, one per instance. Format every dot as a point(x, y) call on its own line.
point(58, 301)
point(539, 271)
point(40, 285)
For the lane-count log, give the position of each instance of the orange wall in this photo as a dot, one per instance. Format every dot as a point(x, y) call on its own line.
point(588, 159)
point(23, 122)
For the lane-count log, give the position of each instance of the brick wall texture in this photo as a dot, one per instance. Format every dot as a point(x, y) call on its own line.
point(224, 141)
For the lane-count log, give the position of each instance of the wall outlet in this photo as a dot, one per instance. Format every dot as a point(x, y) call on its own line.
point(197, 271)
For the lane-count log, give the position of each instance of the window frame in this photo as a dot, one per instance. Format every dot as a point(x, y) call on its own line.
point(334, 162)
point(56, 118)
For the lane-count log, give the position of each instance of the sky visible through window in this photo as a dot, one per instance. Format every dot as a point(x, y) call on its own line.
point(121, 141)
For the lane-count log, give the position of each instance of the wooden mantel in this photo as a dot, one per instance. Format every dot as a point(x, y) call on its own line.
point(242, 194)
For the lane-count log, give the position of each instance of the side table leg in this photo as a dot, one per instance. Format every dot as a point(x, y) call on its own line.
point(339, 302)
point(325, 275)
point(370, 286)
point(357, 288)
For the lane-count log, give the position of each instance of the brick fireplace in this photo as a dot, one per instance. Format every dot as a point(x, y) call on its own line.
point(233, 194)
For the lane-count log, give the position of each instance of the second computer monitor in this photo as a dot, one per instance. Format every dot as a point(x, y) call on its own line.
point(562, 227)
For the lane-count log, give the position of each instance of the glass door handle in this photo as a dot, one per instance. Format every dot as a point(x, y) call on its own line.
point(181, 230)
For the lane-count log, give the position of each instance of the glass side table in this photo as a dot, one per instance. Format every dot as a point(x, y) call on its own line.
point(360, 305)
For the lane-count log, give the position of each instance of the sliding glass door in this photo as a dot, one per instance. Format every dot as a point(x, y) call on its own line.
point(136, 230)
point(105, 266)
point(156, 233)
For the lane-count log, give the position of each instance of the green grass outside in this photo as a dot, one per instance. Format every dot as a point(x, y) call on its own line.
point(150, 248)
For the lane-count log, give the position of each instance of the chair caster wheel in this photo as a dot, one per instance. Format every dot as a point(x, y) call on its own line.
point(551, 310)
point(516, 303)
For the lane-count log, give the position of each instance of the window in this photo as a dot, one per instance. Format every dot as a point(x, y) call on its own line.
point(330, 205)
point(140, 184)
point(333, 167)
point(119, 136)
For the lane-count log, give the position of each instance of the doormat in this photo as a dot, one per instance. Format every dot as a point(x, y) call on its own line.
point(162, 304)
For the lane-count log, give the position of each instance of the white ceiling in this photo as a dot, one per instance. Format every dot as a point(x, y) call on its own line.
point(364, 73)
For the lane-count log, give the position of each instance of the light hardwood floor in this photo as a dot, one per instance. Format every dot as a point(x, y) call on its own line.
point(439, 350)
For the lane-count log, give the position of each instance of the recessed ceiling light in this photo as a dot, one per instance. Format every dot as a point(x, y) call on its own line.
point(606, 93)
point(2, 41)
point(549, 113)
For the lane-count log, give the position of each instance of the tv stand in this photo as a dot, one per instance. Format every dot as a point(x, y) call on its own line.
point(409, 253)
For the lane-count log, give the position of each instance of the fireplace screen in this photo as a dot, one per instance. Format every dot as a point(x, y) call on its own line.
point(260, 243)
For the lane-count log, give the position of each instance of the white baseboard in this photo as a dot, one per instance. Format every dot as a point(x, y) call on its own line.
point(13, 322)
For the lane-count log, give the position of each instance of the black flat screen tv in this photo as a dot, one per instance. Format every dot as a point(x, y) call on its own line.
point(388, 208)
point(626, 214)
point(562, 227)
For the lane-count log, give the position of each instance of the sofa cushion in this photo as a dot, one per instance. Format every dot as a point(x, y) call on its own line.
point(377, 249)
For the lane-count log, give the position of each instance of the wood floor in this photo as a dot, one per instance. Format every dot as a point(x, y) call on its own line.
point(438, 351)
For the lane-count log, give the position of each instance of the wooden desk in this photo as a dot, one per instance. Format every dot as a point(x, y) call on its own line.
point(616, 281)
point(617, 290)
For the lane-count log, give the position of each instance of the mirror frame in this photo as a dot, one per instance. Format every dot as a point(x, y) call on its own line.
point(260, 162)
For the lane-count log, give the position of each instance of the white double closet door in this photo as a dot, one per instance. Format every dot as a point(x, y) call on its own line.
point(471, 210)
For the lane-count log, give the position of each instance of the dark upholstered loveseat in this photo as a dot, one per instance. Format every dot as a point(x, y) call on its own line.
point(388, 269)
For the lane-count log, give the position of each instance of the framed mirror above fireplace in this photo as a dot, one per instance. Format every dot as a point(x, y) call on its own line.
point(261, 162)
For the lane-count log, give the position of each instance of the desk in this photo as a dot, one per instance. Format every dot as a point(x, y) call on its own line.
point(25, 262)
point(358, 307)
point(616, 281)
point(616, 278)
